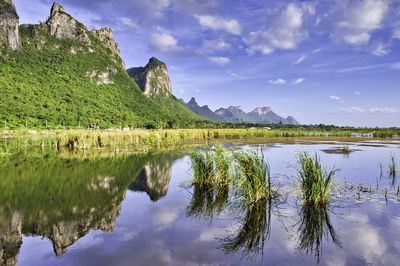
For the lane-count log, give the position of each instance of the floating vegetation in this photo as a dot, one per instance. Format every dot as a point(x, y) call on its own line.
point(346, 148)
point(315, 181)
point(254, 229)
point(254, 176)
point(314, 227)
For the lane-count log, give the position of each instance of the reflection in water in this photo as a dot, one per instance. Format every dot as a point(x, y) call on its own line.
point(313, 227)
point(155, 176)
point(207, 200)
point(254, 229)
point(63, 198)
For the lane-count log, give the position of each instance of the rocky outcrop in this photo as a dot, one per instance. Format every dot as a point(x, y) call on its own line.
point(9, 20)
point(10, 238)
point(62, 26)
point(262, 110)
point(153, 79)
point(106, 36)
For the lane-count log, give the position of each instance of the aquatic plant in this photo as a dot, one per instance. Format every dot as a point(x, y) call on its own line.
point(315, 181)
point(254, 176)
point(346, 148)
point(222, 164)
point(392, 166)
point(202, 166)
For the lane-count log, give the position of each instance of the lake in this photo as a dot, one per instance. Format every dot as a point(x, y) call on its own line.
point(106, 208)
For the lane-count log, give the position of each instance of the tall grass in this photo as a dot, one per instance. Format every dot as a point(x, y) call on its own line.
point(315, 181)
point(202, 166)
point(255, 176)
point(222, 164)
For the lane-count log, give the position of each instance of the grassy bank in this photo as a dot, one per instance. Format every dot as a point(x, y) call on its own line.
point(142, 139)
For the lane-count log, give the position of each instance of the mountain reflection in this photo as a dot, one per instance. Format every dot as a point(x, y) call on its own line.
point(63, 198)
point(155, 176)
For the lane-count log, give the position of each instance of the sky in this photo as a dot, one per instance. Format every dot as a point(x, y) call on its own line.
point(329, 61)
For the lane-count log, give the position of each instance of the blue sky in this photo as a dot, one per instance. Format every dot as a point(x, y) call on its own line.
point(332, 61)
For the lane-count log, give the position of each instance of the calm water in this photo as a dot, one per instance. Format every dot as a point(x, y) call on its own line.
point(60, 209)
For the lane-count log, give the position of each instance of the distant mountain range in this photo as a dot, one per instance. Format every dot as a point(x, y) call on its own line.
point(235, 114)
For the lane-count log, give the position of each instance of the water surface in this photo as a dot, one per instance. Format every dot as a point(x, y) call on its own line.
point(121, 209)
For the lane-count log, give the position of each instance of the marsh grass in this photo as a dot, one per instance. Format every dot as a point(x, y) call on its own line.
point(315, 181)
point(222, 164)
point(202, 166)
point(392, 166)
point(254, 176)
point(346, 148)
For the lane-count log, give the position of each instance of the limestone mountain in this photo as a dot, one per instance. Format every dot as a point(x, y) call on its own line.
point(60, 73)
point(9, 25)
point(235, 114)
point(154, 82)
point(203, 111)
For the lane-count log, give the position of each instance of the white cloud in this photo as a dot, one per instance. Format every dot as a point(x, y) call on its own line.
point(352, 109)
point(384, 110)
point(277, 82)
point(229, 25)
point(396, 34)
point(301, 59)
point(359, 19)
point(216, 45)
point(336, 98)
point(394, 65)
point(357, 93)
point(160, 3)
point(298, 81)
point(196, 90)
point(380, 49)
point(181, 91)
point(317, 50)
point(285, 32)
point(219, 60)
point(128, 22)
point(164, 42)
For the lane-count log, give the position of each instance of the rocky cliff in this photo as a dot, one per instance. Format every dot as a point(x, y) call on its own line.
point(9, 20)
point(153, 79)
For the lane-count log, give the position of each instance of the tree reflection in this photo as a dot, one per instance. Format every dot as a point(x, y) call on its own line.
point(315, 226)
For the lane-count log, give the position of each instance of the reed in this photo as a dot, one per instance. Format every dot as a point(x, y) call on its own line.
point(315, 181)
point(222, 164)
point(392, 166)
point(346, 148)
point(254, 176)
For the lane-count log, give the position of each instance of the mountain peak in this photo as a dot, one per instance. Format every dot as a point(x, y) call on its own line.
point(193, 101)
point(56, 8)
point(153, 79)
point(235, 108)
point(262, 110)
point(9, 25)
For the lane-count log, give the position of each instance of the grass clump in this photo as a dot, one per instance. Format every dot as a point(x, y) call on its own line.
point(222, 164)
point(346, 148)
point(202, 166)
point(315, 181)
point(255, 176)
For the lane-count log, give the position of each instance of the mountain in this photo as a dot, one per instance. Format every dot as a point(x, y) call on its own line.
point(60, 73)
point(154, 82)
point(235, 114)
point(203, 111)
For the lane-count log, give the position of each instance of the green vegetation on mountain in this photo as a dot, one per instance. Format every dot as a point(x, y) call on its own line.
point(74, 78)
